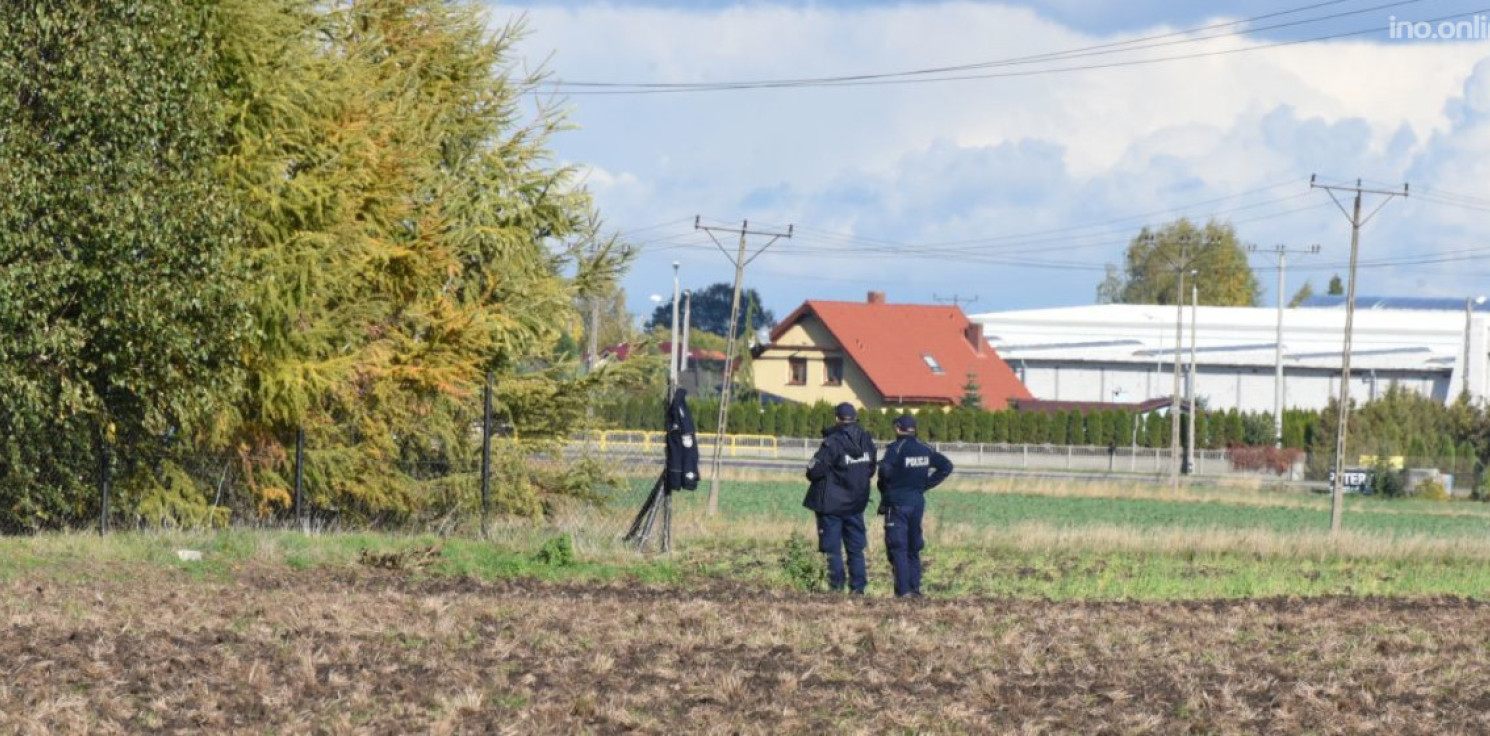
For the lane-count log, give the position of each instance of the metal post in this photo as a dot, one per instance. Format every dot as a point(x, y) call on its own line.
point(1282, 252)
point(485, 454)
point(1174, 400)
point(674, 348)
point(1133, 454)
point(687, 326)
point(103, 483)
point(300, 475)
point(1278, 357)
point(1469, 305)
point(1194, 317)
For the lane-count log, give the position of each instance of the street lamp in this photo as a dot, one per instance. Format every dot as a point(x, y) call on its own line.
point(687, 326)
point(673, 348)
point(1469, 305)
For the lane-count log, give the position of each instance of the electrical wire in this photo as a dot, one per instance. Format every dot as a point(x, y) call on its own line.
point(626, 88)
point(1094, 50)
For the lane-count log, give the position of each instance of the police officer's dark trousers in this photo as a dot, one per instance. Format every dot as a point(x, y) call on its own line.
point(903, 543)
point(835, 534)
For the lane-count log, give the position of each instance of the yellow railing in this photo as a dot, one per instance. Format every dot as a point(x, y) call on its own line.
point(756, 445)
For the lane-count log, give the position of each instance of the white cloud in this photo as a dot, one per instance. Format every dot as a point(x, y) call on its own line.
point(979, 159)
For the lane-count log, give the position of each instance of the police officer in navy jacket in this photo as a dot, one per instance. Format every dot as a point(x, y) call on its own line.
point(907, 471)
point(839, 477)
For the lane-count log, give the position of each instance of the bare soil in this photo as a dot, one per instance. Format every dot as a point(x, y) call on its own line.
point(380, 652)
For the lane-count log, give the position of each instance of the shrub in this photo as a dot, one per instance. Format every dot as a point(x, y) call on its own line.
point(1431, 490)
point(1264, 458)
point(801, 563)
point(557, 552)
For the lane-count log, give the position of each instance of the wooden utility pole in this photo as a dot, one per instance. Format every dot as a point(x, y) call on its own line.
point(1337, 491)
point(740, 262)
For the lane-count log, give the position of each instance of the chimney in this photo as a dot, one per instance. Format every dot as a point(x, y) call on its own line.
point(876, 297)
point(975, 337)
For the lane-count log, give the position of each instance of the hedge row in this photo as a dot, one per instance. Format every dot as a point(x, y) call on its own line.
point(1215, 430)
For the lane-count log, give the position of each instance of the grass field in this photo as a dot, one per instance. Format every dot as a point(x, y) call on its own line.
point(1054, 609)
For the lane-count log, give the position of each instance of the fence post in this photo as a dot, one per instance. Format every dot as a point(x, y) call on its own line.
point(486, 454)
point(300, 476)
point(103, 484)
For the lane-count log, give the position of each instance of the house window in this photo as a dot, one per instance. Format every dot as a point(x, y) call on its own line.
point(936, 368)
point(797, 371)
point(833, 371)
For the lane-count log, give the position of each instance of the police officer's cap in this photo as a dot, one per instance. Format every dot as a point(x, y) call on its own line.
point(905, 423)
point(845, 411)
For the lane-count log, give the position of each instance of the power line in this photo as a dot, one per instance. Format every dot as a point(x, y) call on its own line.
point(921, 75)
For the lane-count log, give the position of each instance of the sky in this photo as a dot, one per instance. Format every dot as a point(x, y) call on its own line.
point(1018, 183)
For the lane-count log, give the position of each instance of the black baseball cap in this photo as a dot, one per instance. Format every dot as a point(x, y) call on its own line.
point(905, 423)
point(845, 411)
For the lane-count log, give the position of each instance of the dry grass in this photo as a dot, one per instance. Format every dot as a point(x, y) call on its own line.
point(353, 651)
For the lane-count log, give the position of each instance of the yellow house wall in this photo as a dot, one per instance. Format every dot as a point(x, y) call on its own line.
point(773, 369)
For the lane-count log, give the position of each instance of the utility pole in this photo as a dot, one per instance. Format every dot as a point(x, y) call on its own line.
point(1179, 339)
point(1194, 319)
point(1282, 251)
point(1337, 492)
point(1469, 304)
point(740, 262)
point(954, 300)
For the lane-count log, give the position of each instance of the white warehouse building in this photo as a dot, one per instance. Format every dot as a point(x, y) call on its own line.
point(1125, 353)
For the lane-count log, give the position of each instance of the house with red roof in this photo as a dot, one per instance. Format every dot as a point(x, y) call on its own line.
point(875, 354)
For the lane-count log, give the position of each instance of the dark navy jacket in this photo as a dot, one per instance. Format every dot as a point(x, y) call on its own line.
point(682, 445)
point(840, 472)
point(908, 470)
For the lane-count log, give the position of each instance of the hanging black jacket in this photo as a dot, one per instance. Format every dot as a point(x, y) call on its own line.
point(840, 471)
point(682, 445)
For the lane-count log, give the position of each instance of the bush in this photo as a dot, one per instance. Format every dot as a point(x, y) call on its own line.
point(1481, 490)
point(557, 552)
point(801, 563)
point(1431, 490)
point(1264, 458)
point(1387, 482)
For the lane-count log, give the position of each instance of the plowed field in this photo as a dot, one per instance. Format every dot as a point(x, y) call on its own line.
point(363, 651)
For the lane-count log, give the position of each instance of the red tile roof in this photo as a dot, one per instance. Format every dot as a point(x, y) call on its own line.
point(888, 342)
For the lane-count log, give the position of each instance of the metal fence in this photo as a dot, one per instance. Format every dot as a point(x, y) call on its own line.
point(967, 454)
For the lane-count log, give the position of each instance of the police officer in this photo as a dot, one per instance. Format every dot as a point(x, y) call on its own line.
point(839, 490)
point(908, 470)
